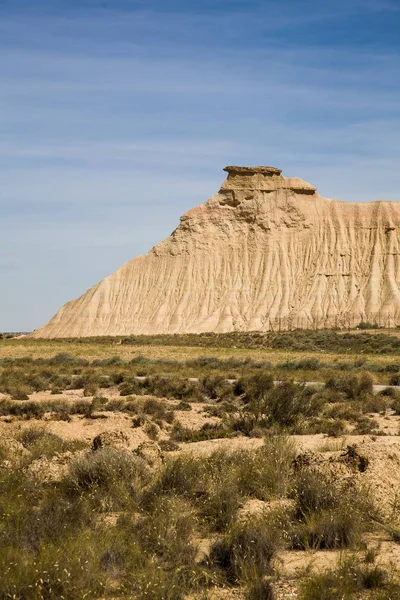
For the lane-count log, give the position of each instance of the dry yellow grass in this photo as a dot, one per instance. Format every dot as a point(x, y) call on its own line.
point(22, 347)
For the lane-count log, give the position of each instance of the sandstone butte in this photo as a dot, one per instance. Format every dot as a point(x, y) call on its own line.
point(265, 252)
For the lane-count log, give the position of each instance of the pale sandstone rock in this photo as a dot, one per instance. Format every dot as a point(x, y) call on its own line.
point(264, 249)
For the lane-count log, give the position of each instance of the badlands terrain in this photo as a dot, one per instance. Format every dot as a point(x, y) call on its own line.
point(265, 252)
point(200, 467)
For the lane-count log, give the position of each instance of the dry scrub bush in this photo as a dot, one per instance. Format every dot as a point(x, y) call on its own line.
point(208, 431)
point(260, 590)
point(67, 570)
point(217, 485)
point(246, 550)
point(163, 387)
point(167, 529)
point(350, 579)
point(107, 473)
point(351, 386)
point(328, 514)
point(267, 406)
point(42, 443)
point(150, 551)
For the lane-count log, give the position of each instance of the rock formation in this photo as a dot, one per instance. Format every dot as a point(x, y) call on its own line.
point(264, 252)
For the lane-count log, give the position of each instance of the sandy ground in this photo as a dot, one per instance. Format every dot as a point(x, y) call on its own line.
point(382, 475)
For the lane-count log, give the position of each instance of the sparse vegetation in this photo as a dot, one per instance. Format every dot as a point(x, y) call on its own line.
point(348, 580)
point(108, 522)
point(329, 514)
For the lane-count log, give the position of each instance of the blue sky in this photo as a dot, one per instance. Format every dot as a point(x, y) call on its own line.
point(117, 116)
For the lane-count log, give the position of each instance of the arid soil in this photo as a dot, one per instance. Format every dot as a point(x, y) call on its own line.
point(373, 463)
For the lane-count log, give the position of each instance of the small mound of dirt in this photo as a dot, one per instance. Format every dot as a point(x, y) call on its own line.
point(115, 439)
point(151, 453)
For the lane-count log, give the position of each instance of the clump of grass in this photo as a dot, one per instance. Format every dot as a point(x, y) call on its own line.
point(267, 472)
point(183, 406)
point(4, 453)
point(288, 402)
point(396, 405)
point(90, 388)
point(245, 552)
point(260, 590)
point(69, 570)
point(182, 475)
point(158, 410)
point(220, 501)
point(351, 577)
point(108, 471)
point(167, 529)
point(366, 425)
point(394, 379)
point(31, 435)
point(163, 387)
point(328, 515)
point(66, 359)
point(216, 388)
point(151, 430)
point(267, 405)
point(331, 427)
point(375, 403)
point(43, 443)
point(256, 388)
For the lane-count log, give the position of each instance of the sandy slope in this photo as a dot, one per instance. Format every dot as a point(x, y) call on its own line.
point(265, 250)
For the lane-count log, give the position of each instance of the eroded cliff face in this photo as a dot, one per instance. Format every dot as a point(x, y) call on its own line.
point(264, 250)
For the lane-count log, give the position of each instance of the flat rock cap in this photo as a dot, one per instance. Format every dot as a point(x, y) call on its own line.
point(252, 170)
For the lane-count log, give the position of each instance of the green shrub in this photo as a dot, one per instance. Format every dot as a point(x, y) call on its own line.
point(330, 529)
point(31, 435)
point(90, 388)
point(42, 443)
point(183, 406)
point(28, 410)
point(157, 409)
point(388, 392)
point(65, 359)
point(21, 394)
point(366, 426)
point(256, 389)
point(396, 405)
point(168, 446)
point(151, 430)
